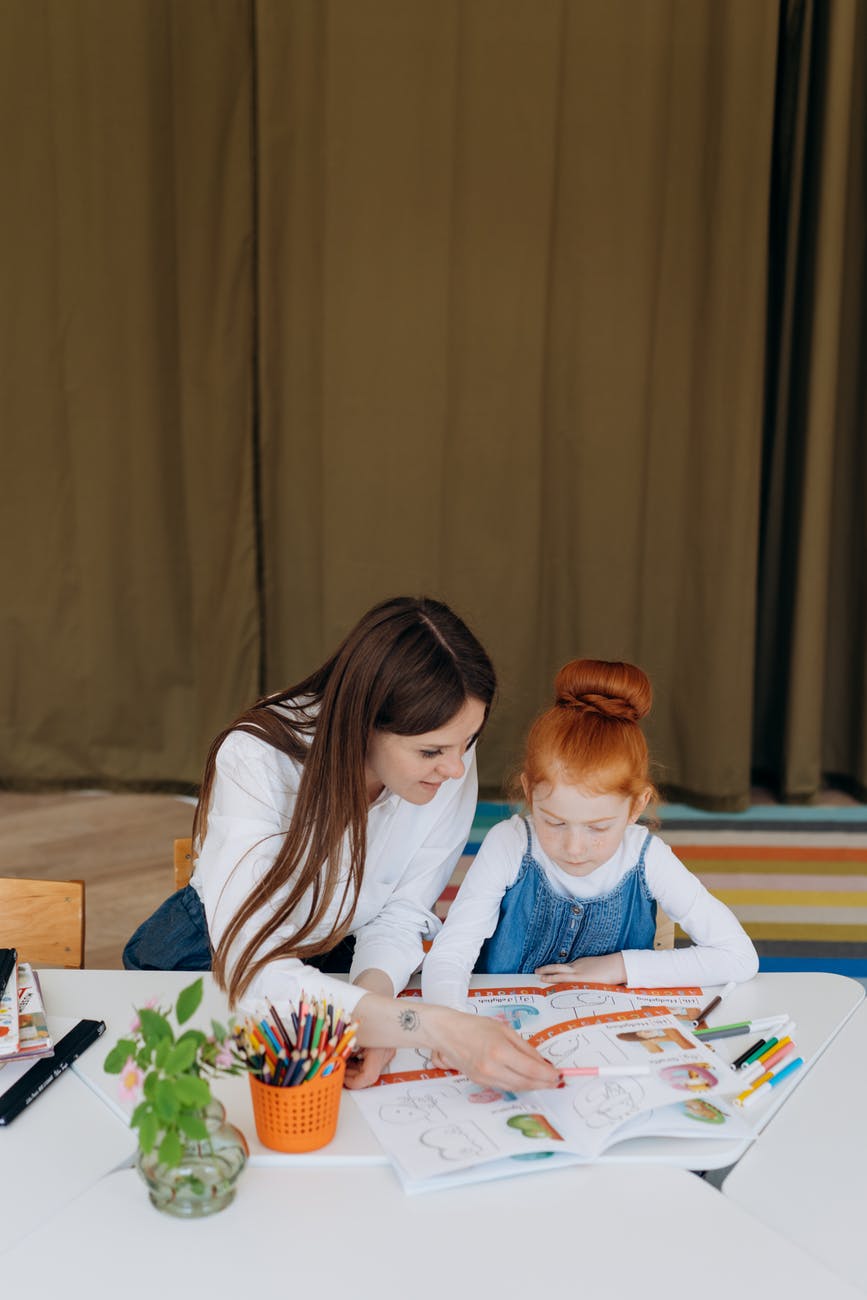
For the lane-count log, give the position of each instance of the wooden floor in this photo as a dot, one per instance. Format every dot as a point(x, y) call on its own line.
point(120, 845)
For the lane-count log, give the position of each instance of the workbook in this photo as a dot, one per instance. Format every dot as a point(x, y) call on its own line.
point(34, 1039)
point(9, 1016)
point(31, 1038)
point(655, 1079)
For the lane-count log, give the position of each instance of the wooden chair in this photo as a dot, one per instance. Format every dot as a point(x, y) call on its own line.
point(183, 862)
point(664, 937)
point(44, 920)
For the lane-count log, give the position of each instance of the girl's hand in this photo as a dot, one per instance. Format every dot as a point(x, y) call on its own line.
point(610, 969)
point(491, 1053)
point(365, 1065)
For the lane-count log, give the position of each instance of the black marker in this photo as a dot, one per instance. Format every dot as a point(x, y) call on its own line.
point(38, 1077)
point(744, 1057)
point(8, 958)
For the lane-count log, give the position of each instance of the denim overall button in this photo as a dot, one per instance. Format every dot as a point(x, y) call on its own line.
point(564, 953)
point(576, 911)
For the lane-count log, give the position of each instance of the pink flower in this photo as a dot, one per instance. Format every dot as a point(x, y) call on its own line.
point(131, 1080)
point(151, 1004)
point(224, 1059)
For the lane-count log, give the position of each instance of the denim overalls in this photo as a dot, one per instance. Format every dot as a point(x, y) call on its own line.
point(539, 927)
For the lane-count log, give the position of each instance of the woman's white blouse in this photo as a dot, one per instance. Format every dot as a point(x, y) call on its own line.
point(412, 851)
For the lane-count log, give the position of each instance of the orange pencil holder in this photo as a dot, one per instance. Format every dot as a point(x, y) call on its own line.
point(302, 1118)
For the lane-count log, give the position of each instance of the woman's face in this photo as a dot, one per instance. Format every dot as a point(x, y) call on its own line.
point(415, 767)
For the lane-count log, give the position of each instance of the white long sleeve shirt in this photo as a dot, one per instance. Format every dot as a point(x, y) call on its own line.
point(411, 853)
point(721, 950)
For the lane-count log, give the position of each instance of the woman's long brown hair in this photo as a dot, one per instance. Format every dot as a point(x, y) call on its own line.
point(407, 667)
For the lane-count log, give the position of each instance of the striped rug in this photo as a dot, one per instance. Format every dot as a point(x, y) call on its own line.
point(796, 878)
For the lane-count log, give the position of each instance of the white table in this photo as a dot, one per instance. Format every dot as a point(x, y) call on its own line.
point(807, 1177)
point(648, 1231)
point(112, 996)
point(820, 1003)
point(56, 1149)
point(519, 1233)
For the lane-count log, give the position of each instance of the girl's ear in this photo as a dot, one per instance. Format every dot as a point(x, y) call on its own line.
point(639, 804)
point(525, 787)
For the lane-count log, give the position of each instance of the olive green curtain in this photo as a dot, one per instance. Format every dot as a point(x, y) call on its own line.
point(129, 608)
point(315, 301)
point(512, 274)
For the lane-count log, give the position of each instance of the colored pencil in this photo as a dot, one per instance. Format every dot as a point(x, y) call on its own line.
point(266, 1044)
point(289, 1041)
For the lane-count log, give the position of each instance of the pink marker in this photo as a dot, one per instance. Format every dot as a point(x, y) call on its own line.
point(779, 1054)
point(604, 1071)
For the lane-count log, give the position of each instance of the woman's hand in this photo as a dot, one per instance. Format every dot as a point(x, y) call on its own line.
point(487, 1051)
point(365, 1065)
point(610, 969)
point(491, 1053)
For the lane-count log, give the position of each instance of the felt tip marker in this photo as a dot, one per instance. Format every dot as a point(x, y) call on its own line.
point(772, 1082)
point(740, 1061)
point(773, 1046)
point(750, 1074)
point(714, 1002)
point(779, 1054)
point(603, 1071)
point(742, 1027)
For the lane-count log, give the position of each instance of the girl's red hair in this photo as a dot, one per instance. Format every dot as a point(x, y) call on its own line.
point(590, 736)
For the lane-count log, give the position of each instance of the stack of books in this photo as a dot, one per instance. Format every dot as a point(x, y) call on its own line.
point(24, 1032)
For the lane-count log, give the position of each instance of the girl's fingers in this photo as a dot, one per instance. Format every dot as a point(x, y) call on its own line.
point(555, 974)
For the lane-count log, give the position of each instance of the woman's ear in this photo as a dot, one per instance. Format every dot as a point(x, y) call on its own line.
point(525, 787)
point(639, 804)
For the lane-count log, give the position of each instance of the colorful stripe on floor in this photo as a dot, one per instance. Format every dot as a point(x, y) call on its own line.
point(799, 891)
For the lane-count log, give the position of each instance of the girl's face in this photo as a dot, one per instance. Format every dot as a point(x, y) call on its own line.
point(415, 767)
point(579, 829)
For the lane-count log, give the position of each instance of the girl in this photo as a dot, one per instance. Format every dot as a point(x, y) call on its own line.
point(339, 807)
point(570, 892)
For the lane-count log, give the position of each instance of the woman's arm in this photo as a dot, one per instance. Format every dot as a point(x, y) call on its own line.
point(486, 1050)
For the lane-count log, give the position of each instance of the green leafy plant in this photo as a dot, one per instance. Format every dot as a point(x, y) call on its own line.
point(168, 1075)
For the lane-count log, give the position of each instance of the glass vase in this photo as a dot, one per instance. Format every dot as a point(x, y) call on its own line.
point(204, 1182)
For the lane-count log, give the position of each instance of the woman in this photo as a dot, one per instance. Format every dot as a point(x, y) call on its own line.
point(339, 807)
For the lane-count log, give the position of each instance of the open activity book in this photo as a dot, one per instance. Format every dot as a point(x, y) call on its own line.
point(440, 1129)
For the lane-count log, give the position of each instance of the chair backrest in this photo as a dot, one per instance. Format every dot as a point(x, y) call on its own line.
point(183, 862)
point(44, 920)
point(664, 937)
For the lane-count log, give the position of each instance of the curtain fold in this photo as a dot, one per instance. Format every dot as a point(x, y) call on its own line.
point(514, 341)
point(553, 311)
point(811, 657)
point(129, 615)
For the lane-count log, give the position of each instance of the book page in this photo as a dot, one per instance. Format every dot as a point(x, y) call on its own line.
point(530, 1008)
point(437, 1123)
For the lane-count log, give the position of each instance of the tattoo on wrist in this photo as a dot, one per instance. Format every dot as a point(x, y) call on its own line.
point(408, 1020)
